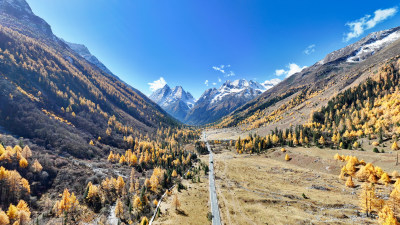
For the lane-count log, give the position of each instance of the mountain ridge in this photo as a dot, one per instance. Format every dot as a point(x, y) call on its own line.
point(176, 101)
point(215, 103)
point(57, 82)
point(332, 74)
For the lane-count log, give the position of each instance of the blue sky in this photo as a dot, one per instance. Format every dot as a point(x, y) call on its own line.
point(186, 42)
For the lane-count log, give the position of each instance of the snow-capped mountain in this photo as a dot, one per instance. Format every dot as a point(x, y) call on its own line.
point(363, 48)
point(216, 103)
point(177, 102)
point(244, 88)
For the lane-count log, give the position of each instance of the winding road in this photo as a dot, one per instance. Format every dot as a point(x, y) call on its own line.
point(216, 219)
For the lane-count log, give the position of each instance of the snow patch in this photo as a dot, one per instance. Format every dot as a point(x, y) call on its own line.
point(372, 48)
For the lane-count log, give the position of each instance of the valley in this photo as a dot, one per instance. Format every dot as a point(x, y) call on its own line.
point(78, 145)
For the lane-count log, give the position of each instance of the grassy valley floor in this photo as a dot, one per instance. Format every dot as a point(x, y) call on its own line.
point(195, 204)
point(266, 189)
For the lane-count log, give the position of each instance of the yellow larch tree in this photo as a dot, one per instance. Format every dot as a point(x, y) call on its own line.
point(349, 182)
point(385, 178)
point(119, 209)
point(4, 218)
point(12, 212)
point(144, 221)
point(23, 163)
point(394, 200)
point(26, 152)
point(176, 202)
point(386, 216)
point(395, 147)
point(366, 202)
point(37, 167)
point(321, 140)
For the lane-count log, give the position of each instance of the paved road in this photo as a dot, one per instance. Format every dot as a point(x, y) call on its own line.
point(216, 220)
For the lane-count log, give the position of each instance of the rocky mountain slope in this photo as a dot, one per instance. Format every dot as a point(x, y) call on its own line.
point(177, 102)
point(84, 52)
point(59, 99)
point(292, 100)
point(216, 103)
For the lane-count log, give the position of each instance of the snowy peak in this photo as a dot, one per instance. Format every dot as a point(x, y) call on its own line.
point(159, 95)
point(176, 101)
point(216, 103)
point(363, 48)
point(378, 41)
point(243, 88)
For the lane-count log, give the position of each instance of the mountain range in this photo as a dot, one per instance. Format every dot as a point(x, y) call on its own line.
point(177, 102)
point(212, 105)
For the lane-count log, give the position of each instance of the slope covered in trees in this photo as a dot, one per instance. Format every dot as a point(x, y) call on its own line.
point(94, 142)
point(291, 100)
point(61, 101)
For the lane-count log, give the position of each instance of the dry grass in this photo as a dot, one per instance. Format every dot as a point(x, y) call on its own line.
point(266, 189)
point(194, 203)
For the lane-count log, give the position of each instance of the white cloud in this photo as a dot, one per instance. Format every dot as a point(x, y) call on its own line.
point(219, 80)
point(223, 70)
point(214, 83)
point(271, 82)
point(279, 72)
point(230, 74)
point(310, 49)
point(220, 68)
point(157, 84)
point(292, 68)
point(367, 22)
point(206, 82)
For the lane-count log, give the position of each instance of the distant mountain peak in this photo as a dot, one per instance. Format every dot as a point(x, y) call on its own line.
point(17, 14)
point(176, 101)
point(20, 5)
point(215, 103)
